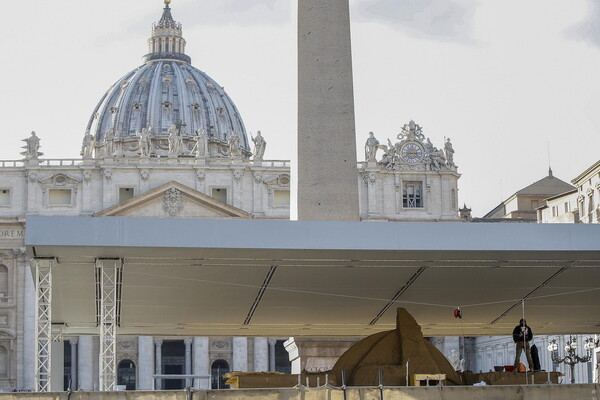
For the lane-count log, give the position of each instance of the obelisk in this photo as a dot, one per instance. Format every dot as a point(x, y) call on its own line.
point(327, 173)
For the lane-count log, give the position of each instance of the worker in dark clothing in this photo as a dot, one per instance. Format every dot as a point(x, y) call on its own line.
point(522, 334)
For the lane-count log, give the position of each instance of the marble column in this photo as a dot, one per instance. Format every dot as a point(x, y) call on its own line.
point(327, 180)
point(240, 354)
point(261, 354)
point(74, 342)
point(201, 362)
point(145, 365)
point(85, 363)
point(158, 362)
point(272, 364)
point(188, 360)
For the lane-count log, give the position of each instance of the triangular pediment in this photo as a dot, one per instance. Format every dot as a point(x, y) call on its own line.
point(174, 200)
point(282, 180)
point(60, 180)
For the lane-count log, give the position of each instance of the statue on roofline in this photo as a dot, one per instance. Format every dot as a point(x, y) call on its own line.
point(32, 147)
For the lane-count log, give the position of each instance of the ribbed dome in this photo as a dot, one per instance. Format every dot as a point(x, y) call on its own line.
point(166, 91)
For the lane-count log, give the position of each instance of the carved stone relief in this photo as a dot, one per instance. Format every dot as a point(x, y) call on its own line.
point(237, 175)
point(32, 176)
point(220, 344)
point(370, 177)
point(144, 174)
point(107, 175)
point(414, 152)
point(172, 202)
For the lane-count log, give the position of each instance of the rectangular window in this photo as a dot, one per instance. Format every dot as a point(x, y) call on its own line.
point(555, 211)
point(220, 194)
point(59, 197)
point(281, 198)
point(412, 195)
point(125, 193)
point(4, 197)
point(566, 207)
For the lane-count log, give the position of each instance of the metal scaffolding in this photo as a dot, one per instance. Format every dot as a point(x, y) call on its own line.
point(43, 324)
point(108, 284)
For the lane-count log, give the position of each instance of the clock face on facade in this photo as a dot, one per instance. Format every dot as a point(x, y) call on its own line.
point(411, 153)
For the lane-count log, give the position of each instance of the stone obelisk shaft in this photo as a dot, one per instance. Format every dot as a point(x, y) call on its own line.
point(327, 174)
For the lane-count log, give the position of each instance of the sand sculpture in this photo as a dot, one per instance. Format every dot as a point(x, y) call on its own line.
point(389, 351)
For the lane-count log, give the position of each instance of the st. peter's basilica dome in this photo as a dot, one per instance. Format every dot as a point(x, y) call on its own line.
point(164, 95)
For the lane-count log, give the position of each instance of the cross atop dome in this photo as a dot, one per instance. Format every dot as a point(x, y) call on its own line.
point(167, 42)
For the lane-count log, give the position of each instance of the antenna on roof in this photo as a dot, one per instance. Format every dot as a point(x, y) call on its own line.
point(549, 164)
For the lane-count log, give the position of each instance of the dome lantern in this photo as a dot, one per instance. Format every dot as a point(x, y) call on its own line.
point(166, 41)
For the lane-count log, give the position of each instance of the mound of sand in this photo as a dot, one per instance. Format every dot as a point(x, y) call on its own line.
point(388, 351)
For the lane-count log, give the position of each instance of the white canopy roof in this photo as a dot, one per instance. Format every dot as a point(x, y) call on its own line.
point(280, 278)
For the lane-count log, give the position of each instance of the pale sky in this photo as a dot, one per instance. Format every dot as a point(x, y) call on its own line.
point(504, 80)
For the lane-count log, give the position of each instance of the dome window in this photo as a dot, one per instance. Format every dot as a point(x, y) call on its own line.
point(196, 106)
point(166, 105)
point(221, 111)
point(137, 106)
point(143, 83)
point(113, 110)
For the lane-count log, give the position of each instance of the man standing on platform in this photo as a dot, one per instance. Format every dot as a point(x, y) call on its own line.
point(522, 334)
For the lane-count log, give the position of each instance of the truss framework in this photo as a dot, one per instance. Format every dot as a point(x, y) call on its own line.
point(43, 323)
point(108, 278)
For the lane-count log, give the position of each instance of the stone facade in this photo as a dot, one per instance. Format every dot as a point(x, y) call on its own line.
point(588, 194)
point(561, 209)
point(412, 181)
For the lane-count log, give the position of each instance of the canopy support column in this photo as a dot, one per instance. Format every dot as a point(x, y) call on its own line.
point(108, 280)
point(43, 322)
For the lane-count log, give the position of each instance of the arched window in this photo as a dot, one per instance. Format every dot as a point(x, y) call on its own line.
point(3, 362)
point(3, 284)
point(126, 374)
point(217, 370)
